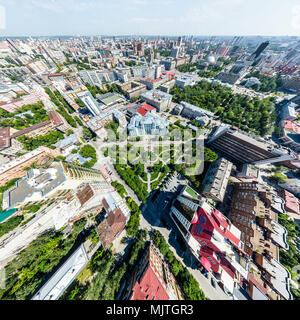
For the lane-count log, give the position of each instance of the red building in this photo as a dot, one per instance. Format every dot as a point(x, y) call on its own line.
point(212, 238)
point(152, 280)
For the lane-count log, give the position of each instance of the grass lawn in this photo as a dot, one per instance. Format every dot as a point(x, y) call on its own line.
point(191, 192)
point(84, 275)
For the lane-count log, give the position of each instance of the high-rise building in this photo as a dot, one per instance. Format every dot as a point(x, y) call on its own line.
point(152, 279)
point(260, 49)
point(254, 213)
point(212, 239)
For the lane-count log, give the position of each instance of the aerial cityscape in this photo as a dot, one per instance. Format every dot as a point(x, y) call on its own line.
point(139, 165)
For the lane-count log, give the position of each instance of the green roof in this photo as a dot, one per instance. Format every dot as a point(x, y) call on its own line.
point(110, 99)
point(191, 192)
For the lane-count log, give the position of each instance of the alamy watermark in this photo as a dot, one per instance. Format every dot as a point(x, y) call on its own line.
point(178, 147)
point(2, 17)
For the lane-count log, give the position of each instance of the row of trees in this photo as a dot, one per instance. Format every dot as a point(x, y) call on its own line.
point(268, 83)
point(186, 281)
point(133, 224)
point(252, 115)
point(47, 140)
point(62, 108)
point(291, 258)
point(133, 181)
point(106, 274)
point(88, 151)
point(13, 119)
point(10, 224)
point(188, 67)
point(30, 269)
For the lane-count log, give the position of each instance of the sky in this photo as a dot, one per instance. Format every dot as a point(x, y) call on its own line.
point(149, 17)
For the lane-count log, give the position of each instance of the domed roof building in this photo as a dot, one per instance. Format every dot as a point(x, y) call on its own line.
point(211, 59)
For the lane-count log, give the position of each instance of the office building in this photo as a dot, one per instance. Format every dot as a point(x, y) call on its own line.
point(183, 81)
point(192, 112)
point(245, 148)
point(216, 179)
point(147, 124)
point(158, 99)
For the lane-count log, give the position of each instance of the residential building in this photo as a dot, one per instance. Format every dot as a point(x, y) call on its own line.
point(253, 213)
point(166, 87)
point(133, 89)
point(15, 168)
point(158, 99)
point(216, 179)
point(292, 185)
point(292, 203)
point(112, 226)
point(212, 239)
point(152, 279)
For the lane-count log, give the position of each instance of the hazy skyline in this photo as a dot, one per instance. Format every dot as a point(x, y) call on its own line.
point(149, 17)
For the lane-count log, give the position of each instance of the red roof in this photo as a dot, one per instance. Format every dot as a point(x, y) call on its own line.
point(148, 107)
point(291, 202)
point(149, 288)
point(292, 126)
point(55, 118)
point(142, 111)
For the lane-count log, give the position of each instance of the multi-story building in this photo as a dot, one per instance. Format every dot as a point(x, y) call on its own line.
point(183, 81)
point(288, 111)
point(292, 185)
point(192, 112)
point(212, 238)
point(49, 177)
point(158, 99)
point(291, 203)
point(148, 124)
point(152, 279)
point(216, 179)
point(245, 148)
point(88, 100)
point(15, 169)
point(253, 213)
point(169, 64)
point(133, 89)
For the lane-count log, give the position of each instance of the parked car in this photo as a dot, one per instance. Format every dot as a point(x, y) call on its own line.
point(213, 282)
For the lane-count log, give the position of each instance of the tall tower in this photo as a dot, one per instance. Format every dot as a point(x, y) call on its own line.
point(260, 49)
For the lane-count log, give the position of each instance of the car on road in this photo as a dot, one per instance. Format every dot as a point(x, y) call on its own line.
point(213, 282)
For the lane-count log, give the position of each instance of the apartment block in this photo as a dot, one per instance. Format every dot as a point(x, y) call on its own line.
point(212, 239)
point(253, 213)
point(152, 279)
point(216, 179)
